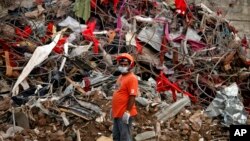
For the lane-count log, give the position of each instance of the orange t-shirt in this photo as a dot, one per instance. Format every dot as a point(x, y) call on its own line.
point(126, 85)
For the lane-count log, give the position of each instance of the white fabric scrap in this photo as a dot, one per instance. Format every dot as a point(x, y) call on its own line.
point(25, 85)
point(73, 24)
point(40, 54)
point(79, 49)
point(66, 50)
point(130, 39)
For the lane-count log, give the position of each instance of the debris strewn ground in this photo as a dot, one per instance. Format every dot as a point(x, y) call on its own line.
point(58, 68)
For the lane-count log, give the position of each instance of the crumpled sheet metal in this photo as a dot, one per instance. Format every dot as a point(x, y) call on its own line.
point(227, 104)
point(152, 35)
point(86, 110)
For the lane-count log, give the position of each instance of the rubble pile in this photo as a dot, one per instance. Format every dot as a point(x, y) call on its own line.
point(58, 68)
point(193, 126)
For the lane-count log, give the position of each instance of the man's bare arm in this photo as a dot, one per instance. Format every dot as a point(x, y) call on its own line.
point(131, 102)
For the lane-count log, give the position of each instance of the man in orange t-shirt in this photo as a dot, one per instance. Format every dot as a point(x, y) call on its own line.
point(123, 101)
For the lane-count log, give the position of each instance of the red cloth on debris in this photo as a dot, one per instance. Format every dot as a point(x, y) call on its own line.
point(115, 4)
point(181, 6)
point(167, 32)
point(163, 84)
point(4, 45)
point(163, 49)
point(87, 84)
point(49, 32)
point(50, 27)
point(138, 46)
point(244, 42)
point(89, 36)
point(25, 33)
point(104, 1)
point(93, 3)
point(59, 46)
point(38, 2)
point(195, 45)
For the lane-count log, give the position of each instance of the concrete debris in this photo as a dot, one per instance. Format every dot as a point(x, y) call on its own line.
point(194, 136)
point(145, 135)
point(58, 69)
point(103, 138)
point(143, 101)
point(11, 132)
point(196, 121)
point(5, 103)
point(172, 110)
point(22, 120)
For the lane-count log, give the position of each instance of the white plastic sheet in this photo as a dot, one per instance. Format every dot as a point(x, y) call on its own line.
point(40, 54)
point(73, 24)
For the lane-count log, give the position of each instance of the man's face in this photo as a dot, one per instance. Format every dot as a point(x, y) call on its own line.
point(123, 66)
point(124, 63)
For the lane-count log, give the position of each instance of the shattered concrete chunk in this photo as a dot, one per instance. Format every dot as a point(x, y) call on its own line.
point(172, 110)
point(143, 101)
point(103, 138)
point(145, 135)
point(194, 136)
point(22, 120)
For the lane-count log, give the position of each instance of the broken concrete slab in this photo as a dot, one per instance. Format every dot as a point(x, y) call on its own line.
point(22, 120)
point(172, 110)
point(196, 121)
point(145, 135)
point(143, 101)
point(77, 69)
point(103, 138)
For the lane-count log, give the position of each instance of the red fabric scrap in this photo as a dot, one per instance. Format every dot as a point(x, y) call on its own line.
point(138, 46)
point(23, 33)
point(181, 6)
point(115, 4)
point(163, 49)
point(59, 46)
point(244, 42)
point(219, 12)
point(167, 36)
point(89, 36)
point(49, 32)
point(119, 23)
point(163, 84)
point(4, 45)
point(50, 27)
point(39, 2)
point(87, 84)
point(105, 2)
point(93, 3)
point(196, 45)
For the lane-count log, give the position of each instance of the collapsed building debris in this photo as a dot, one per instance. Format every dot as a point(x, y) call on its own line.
point(58, 69)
